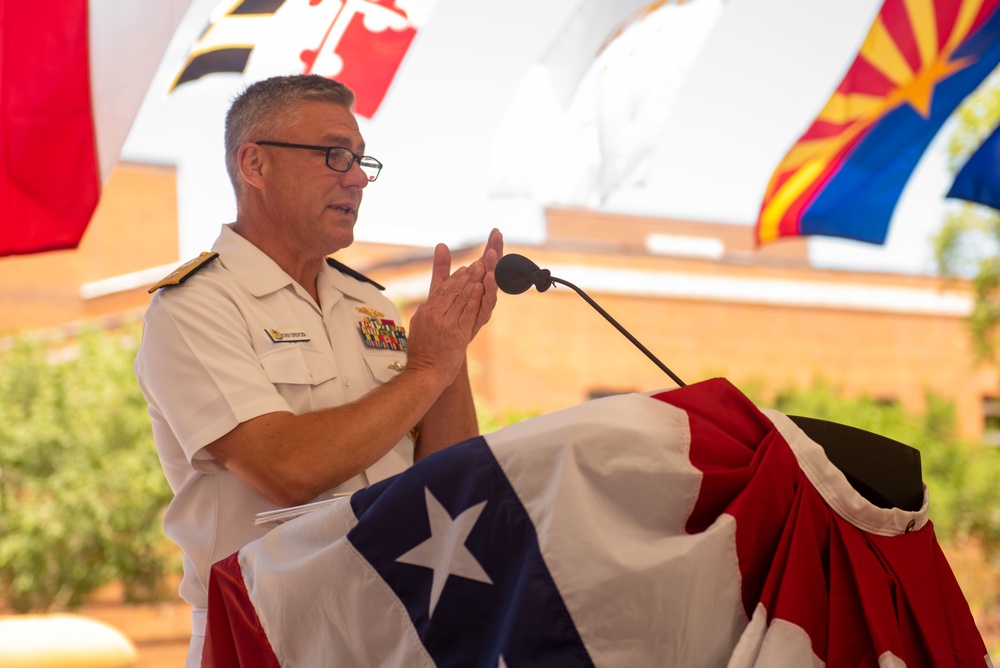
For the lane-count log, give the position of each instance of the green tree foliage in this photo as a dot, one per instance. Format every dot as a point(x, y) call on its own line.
point(81, 490)
point(968, 243)
point(491, 421)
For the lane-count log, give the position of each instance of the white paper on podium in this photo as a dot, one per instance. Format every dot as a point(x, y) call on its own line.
point(282, 515)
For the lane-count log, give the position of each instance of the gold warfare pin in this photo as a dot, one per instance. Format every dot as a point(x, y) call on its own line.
point(369, 311)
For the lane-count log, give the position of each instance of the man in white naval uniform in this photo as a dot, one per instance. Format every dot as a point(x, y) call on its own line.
point(275, 376)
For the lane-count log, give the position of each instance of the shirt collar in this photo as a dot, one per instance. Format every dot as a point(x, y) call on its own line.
point(261, 275)
point(349, 286)
point(258, 273)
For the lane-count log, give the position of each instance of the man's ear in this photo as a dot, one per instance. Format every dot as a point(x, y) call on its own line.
point(250, 161)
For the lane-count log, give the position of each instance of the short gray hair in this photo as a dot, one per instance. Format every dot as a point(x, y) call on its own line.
point(266, 106)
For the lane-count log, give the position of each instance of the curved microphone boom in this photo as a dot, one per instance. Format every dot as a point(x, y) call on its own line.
point(515, 274)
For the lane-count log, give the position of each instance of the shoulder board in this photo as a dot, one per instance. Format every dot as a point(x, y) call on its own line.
point(185, 271)
point(344, 269)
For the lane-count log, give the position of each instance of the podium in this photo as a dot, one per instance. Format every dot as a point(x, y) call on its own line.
point(681, 528)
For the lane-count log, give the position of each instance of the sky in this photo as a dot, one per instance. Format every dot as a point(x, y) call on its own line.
point(684, 115)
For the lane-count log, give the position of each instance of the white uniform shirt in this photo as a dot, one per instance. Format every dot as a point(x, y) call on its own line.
point(239, 339)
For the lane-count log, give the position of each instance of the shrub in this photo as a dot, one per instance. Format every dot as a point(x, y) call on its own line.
point(81, 490)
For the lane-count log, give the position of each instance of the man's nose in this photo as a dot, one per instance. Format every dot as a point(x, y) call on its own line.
point(355, 176)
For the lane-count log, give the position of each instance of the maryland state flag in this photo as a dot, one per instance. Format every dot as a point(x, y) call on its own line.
point(361, 43)
point(843, 177)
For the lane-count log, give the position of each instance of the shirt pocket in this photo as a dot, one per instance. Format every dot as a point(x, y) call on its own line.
point(384, 365)
point(295, 364)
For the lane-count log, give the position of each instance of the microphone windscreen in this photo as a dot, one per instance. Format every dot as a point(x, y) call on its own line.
point(515, 273)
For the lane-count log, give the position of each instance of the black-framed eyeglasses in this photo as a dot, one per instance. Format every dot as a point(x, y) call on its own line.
point(338, 158)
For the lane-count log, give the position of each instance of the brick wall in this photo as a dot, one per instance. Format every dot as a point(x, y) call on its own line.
point(698, 295)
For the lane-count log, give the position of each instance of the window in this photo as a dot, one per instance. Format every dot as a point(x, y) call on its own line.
point(991, 421)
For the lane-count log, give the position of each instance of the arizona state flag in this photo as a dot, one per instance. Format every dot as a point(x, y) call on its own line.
point(843, 177)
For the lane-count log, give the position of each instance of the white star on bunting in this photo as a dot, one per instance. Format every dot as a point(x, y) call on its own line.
point(445, 552)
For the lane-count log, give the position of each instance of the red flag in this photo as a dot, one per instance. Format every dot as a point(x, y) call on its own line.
point(47, 133)
point(51, 166)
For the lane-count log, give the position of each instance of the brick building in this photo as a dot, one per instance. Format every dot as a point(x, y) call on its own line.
point(698, 295)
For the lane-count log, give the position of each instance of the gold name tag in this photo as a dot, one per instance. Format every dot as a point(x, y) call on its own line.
point(289, 336)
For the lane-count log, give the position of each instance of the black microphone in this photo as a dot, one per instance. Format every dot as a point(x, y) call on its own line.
point(515, 274)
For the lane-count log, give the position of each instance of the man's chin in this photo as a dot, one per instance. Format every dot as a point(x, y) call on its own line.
point(342, 236)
